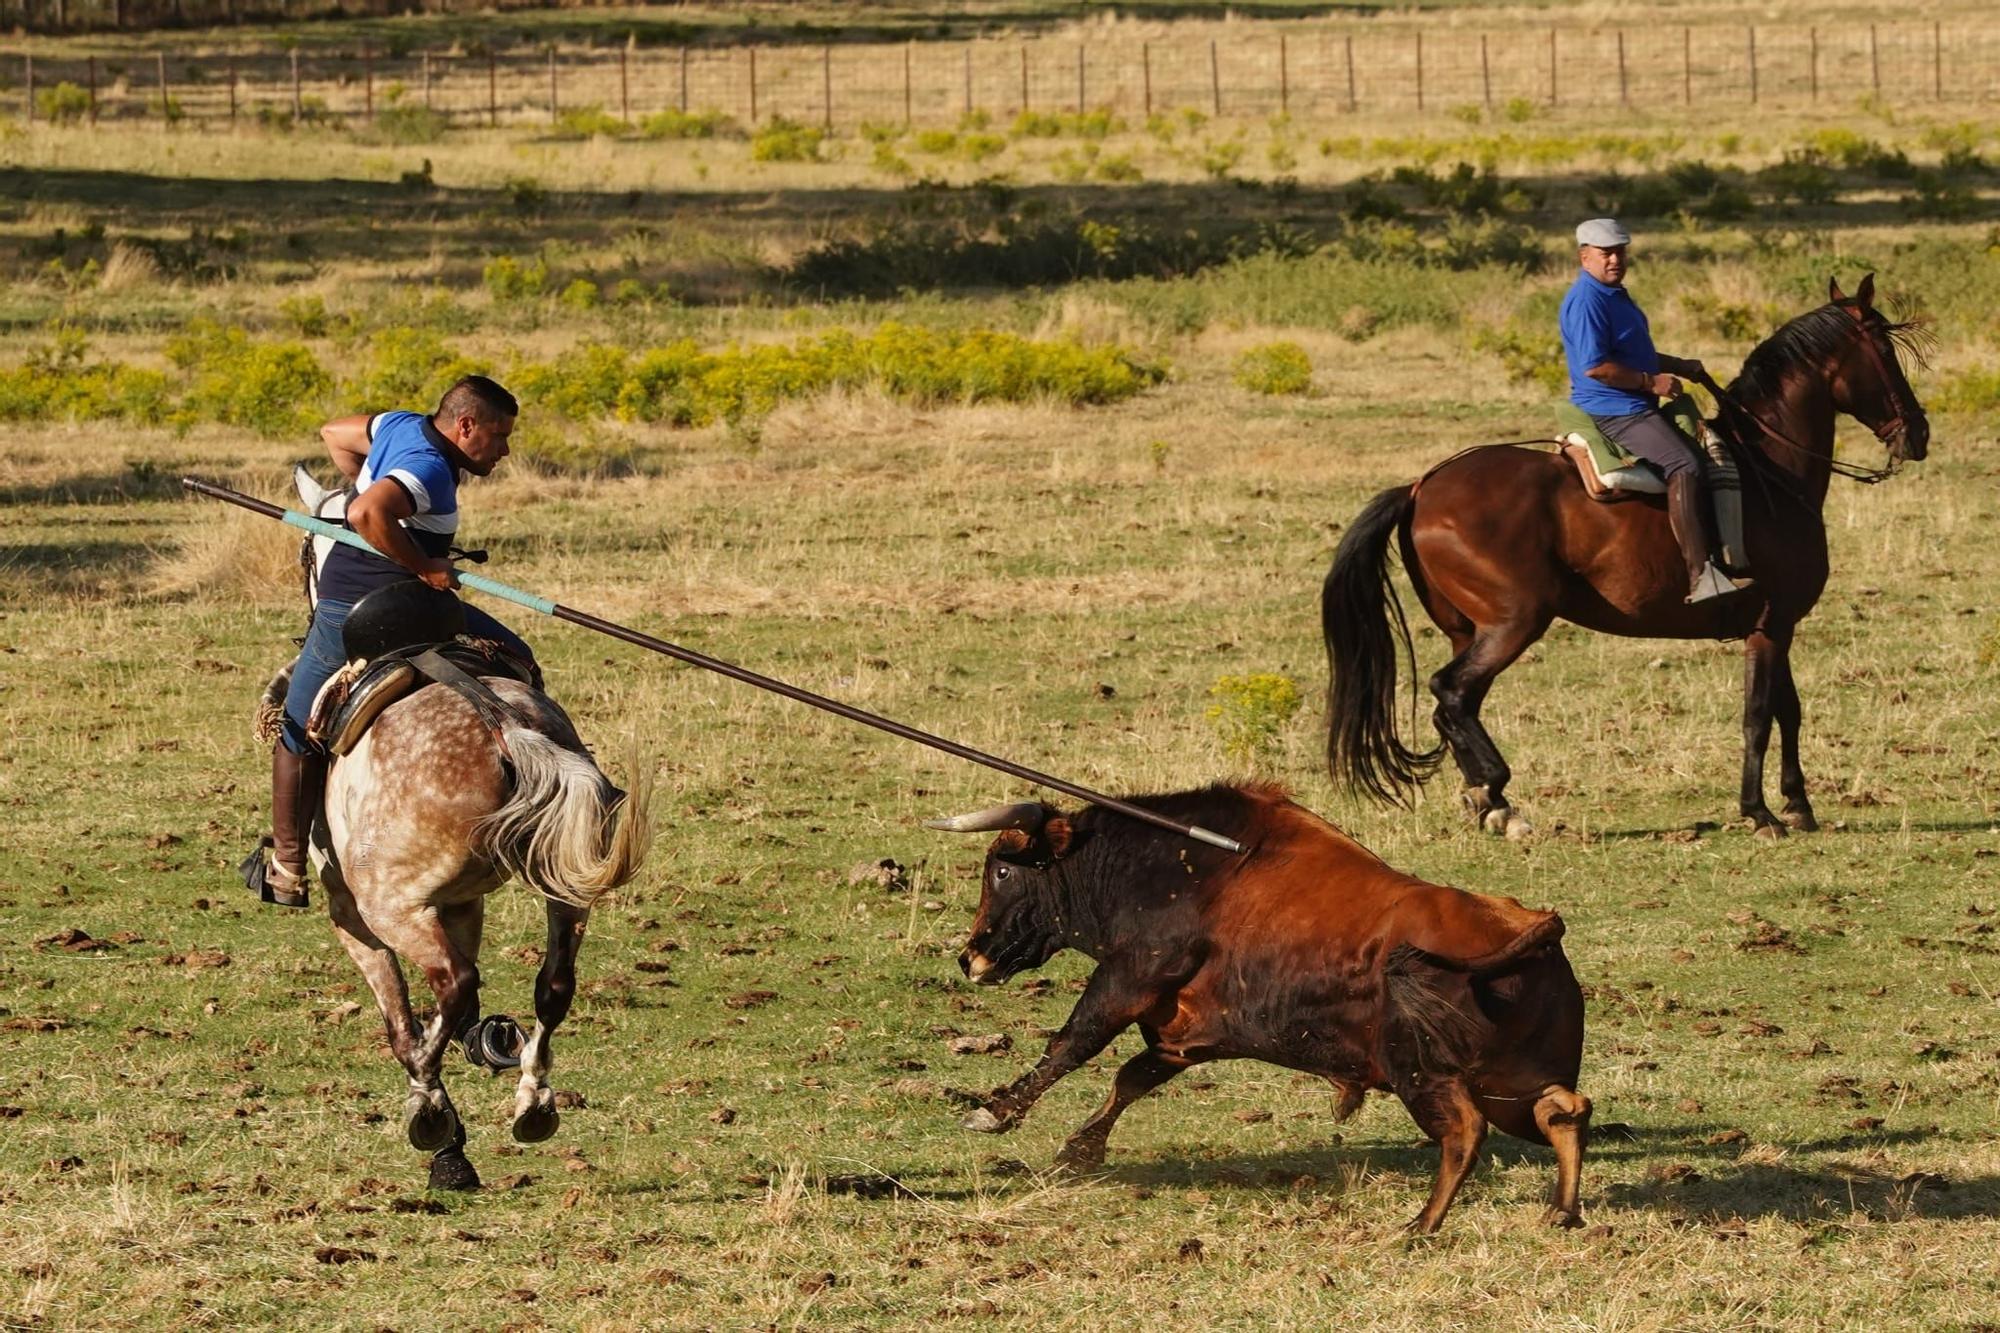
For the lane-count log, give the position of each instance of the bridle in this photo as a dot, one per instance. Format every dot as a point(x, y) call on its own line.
point(1897, 425)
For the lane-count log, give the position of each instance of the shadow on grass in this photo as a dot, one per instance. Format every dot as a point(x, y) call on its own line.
point(98, 488)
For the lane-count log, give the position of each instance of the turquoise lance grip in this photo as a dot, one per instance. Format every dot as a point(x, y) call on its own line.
point(477, 582)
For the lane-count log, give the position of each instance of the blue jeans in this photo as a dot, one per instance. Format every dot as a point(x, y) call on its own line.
point(324, 654)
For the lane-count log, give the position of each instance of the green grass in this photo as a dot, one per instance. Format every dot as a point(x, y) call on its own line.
point(1801, 1036)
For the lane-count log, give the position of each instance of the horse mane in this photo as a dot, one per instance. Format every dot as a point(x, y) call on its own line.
point(1810, 341)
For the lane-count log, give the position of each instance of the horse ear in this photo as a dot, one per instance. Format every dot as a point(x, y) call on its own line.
point(1866, 296)
point(1833, 292)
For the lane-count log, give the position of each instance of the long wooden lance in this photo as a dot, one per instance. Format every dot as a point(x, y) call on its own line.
point(495, 588)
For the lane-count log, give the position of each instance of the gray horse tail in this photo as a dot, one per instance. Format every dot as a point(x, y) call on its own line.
point(566, 831)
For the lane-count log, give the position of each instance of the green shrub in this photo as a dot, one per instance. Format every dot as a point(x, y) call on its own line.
point(55, 383)
point(64, 104)
point(580, 295)
point(1802, 177)
point(1117, 169)
point(274, 388)
point(1532, 357)
point(589, 122)
point(1219, 159)
point(508, 279)
point(307, 315)
point(786, 141)
point(1732, 321)
point(1970, 391)
point(876, 132)
point(886, 158)
point(407, 367)
point(399, 124)
point(674, 124)
point(1278, 368)
point(1250, 713)
point(975, 147)
point(1099, 124)
point(936, 141)
point(1519, 110)
point(1941, 196)
point(526, 195)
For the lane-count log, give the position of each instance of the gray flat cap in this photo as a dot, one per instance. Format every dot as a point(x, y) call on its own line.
point(1604, 233)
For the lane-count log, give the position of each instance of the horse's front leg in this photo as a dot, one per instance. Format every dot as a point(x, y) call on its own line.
point(535, 1116)
point(1764, 663)
point(1797, 810)
point(420, 936)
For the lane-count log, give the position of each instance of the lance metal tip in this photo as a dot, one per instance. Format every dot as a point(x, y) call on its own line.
point(545, 606)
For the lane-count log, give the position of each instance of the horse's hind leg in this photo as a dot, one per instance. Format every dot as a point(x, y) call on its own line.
point(1460, 689)
point(535, 1115)
point(378, 967)
point(421, 937)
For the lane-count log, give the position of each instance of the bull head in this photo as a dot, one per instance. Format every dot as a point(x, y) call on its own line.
point(1019, 925)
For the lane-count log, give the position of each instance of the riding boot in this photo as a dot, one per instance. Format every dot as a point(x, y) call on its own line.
point(296, 784)
point(1687, 508)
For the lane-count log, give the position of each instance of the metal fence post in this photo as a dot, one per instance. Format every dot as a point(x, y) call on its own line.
point(160, 67)
point(1214, 79)
point(1552, 66)
point(1624, 93)
point(553, 110)
point(908, 95)
point(492, 91)
point(826, 83)
point(1485, 74)
point(624, 86)
point(1874, 62)
point(29, 61)
point(1024, 76)
point(298, 101)
point(1812, 35)
point(90, 68)
point(1079, 78)
point(427, 81)
point(1146, 75)
point(1284, 78)
point(1937, 61)
point(1420, 69)
point(1687, 66)
point(753, 87)
point(367, 83)
point(1752, 31)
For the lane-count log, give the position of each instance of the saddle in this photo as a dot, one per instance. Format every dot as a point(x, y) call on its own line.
point(359, 692)
point(1610, 474)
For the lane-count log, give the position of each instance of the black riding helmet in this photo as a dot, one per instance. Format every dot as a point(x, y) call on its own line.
point(402, 615)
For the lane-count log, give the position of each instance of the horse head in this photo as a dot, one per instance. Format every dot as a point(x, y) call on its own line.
point(1867, 379)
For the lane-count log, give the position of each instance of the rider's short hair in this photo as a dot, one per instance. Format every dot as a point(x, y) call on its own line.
point(483, 399)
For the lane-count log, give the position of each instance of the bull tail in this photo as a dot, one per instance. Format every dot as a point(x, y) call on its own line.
point(1432, 1024)
point(566, 831)
point(1362, 620)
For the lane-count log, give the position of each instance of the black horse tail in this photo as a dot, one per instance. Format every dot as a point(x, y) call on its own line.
point(1362, 620)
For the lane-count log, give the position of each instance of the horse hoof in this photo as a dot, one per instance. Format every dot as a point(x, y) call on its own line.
point(1518, 829)
point(1080, 1161)
point(1801, 820)
point(1771, 832)
point(983, 1121)
point(451, 1170)
point(1497, 820)
point(536, 1123)
point(1567, 1218)
point(429, 1124)
point(495, 1043)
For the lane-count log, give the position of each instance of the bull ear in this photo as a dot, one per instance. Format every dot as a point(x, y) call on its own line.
point(1866, 296)
point(1833, 292)
point(1060, 836)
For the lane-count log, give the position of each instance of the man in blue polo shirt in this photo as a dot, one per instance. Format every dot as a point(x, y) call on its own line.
point(405, 469)
point(1617, 376)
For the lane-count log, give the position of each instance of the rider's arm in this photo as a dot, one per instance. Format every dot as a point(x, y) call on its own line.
point(377, 514)
point(346, 441)
point(1633, 381)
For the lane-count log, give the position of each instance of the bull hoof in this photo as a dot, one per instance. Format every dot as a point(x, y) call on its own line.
point(1081, 1161)
point(1801, 820)
point(429, 1121)
point(983, 1121)
point(451, 1170)
point(1567, 1218)
point(1351, 1097)
point(1421, 1225)
point(537, 1123)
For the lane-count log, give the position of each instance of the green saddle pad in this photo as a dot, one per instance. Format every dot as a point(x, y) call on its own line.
point(1573, 420)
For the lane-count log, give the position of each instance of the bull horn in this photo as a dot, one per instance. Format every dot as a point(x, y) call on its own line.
point(1027, 815)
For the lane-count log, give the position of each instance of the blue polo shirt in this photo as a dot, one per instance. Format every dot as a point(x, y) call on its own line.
point(1603, 323)
point(405, 450)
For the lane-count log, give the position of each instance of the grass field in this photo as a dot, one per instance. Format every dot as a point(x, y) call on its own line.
point(198, 1121)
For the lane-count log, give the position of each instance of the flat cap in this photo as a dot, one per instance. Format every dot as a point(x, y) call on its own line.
point(1604, 233)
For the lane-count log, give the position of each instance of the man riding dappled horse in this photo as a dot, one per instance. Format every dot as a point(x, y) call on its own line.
point(445, 771)
point(1617, 380)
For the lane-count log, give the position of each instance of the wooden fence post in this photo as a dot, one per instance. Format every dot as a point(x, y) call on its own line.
point(624, 84)
point(753, 87)
point(1624, 89)
point(232, 90)
point(1284, 78)
point(1214, 78)
point(1420, 69)
point(968, 78)
point(1552, 66)
point(160, 67)
point(684, 80)
point(1079, 78)
point(1874, 62)
point(1937, 61)
point(1146, 75)
point(298, 102)
point(367, 83)
point(908, 96)
point(826, 85)
point(1353, 104)
point(1687, 66)
point(427, 80)
point(1752, 31)
point(1024, 76)
point(1812, 35)
point(90, 66)
point(552, 85)
point(1485, 73)
point(492, 92)
point(29, 61)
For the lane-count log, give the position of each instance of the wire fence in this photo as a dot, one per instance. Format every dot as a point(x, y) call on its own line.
point(1241, 70)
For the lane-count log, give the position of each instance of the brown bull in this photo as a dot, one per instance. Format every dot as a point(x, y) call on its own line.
point(1305, 951)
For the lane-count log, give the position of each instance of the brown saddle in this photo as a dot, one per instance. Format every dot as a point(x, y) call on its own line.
point(355, 697)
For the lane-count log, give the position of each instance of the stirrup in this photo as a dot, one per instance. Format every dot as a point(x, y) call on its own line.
point(1712, 583)
point(262, 879)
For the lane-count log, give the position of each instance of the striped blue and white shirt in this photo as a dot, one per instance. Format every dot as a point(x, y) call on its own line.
point(406, 450)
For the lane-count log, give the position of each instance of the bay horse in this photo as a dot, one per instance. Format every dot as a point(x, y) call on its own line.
point(432, 810)
point(1500, 541)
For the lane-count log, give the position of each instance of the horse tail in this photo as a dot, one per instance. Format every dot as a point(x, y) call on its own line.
point(1362, 619)
point(566, 831)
